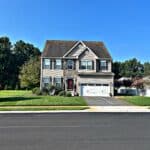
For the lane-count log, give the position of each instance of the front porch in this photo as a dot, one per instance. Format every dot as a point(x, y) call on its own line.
point(70, 85)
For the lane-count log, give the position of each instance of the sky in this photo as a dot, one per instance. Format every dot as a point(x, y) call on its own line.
point(123, 25)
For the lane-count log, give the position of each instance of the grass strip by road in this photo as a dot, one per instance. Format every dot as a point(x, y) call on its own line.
point(42, 108)
point(136, 100)
point(42, 101)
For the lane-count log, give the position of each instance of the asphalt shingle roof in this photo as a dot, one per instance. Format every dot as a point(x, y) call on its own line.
point(57, 48)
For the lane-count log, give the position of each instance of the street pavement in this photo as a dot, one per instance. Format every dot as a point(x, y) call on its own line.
point(75, 131)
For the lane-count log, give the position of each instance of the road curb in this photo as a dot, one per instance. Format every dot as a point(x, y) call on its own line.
point(100, 109)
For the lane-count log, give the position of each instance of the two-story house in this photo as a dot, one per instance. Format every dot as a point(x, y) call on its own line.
point(84, 67)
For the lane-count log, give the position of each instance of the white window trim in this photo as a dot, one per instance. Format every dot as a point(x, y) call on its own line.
point(60, 65)
point(86, 60)
point(73, 64)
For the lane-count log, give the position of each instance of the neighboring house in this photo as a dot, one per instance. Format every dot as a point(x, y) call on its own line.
point(83, 67)
point(147, 86)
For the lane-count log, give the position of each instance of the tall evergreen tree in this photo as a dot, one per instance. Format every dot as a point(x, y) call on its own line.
point(6, 59)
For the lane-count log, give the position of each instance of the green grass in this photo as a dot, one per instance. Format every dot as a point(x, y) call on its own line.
point(137, 100)
point(8, 93)
point(42, 108)
point(25, 98)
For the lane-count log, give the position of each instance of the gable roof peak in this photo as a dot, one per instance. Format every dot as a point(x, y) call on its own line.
point(58, 48)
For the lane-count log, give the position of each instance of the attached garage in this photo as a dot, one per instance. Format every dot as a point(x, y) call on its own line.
point(95, 90)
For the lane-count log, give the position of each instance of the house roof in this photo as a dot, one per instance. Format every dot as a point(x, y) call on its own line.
point(58, 48)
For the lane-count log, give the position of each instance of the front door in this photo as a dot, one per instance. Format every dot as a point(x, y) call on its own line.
point(70, 84)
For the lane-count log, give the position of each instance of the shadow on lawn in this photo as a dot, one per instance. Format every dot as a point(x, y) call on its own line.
point(13, 99)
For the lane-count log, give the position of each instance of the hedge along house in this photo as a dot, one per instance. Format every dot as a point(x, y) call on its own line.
point(83, 67)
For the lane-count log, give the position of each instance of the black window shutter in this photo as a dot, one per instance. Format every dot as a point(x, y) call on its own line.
point(50, 67)
point(43, 63)
point(54, 81)
point(61, 81)
point(50, 79)
point(54, 64)
point(61, 64)
point(92, 65)
point(99, 64)
point(79, 64)
point(106, 65)
point(74, 64)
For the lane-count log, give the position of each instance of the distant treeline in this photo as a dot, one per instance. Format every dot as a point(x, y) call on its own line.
point(131, 68)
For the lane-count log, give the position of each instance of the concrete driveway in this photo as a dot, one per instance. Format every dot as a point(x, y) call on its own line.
point(105, 101)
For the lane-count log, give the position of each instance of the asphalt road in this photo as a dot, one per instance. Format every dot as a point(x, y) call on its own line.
point(75, 131)
point(105, 101)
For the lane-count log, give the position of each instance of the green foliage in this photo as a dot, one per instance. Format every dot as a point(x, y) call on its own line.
point(68, 94)
point(12, 57)
point(58, 90)
point(30, 74)
point(147, 68)
point(62, 93)
point(24, 51)
point(6, 61)
point(116, 68)
point(45, 91)
point(129, 68)
point(36, 91)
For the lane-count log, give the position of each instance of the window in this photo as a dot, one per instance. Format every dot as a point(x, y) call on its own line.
point(46, 63)
point(58, 64)
point(103, 65)
point(58, 81)
point(46, 81)
point(86, 64)
point(89, 65)
point(70, 64)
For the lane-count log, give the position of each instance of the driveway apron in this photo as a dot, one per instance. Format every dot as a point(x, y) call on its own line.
point(105, 101)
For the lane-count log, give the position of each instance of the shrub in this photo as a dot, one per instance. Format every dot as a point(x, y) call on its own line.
point(62, 93)
point(58, 90)
point(51, 89)
point(45, 91)
point(36, 91)
point(68, 94)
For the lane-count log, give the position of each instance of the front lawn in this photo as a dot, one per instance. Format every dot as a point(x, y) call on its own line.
point(8, 93)
point(26, 98)
point(137, 100)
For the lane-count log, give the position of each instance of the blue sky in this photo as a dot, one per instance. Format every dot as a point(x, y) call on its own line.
point(124, 25)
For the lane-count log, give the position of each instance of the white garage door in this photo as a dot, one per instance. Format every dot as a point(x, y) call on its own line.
point(95, 90)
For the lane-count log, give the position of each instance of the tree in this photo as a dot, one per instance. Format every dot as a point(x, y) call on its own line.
point(117, 69)
point(6, 61)
point(147, 68)
point(30, 74)
point(132, 68)
point(23, 52)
